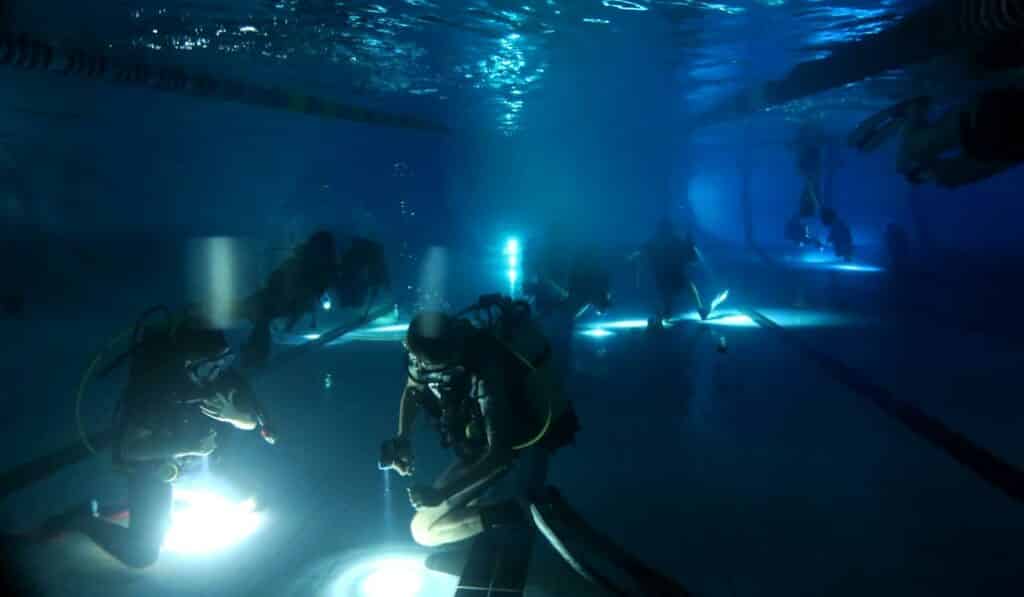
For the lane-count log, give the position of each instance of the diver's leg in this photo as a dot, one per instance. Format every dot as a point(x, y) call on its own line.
point(923, 143)
point(138, 545)
point(458, 518)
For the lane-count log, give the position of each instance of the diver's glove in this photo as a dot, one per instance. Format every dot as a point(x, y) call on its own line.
point(222, 408)
point(396, 454)
point(423, 496)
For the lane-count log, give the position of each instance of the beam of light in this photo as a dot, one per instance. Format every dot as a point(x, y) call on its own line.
point(394, 574)
point(622, 324)
point(202, 521)
point(856, 267)
point(513, 276)
point(394, 577)
point(513, 260)
point(728, 318)
point(512, 246)
point(597, 333)
point(311, 336)
point(814, 258)
point(388, 329)
point(803, 318)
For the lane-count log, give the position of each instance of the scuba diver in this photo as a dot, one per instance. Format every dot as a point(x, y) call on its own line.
point(581, 285)
point(489, 390)
point(296, 287)
point(669, 257)
point(839, 236)
point(181, 386)
point(797, 231)
point(988, 131)
point(808, 148)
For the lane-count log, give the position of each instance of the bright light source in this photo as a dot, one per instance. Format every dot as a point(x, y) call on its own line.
point(394, 577)
point(513, 275)
point(598, 333)
point(719, 299)
point(204, 522)
point(513, 260)
point(815, 258)
point(512, 246)
point(311, 336)
point(625, 324)
point(737, 321)
point(389, 329)
point(727, 318)
point(390, 574)
point(854, 267)
point(325, 302)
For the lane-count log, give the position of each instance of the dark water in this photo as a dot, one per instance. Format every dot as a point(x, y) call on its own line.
point(835, 428)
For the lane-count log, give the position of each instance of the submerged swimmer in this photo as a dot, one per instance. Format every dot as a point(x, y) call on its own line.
point(490, 394)
point(181, 387)
point(356, 277)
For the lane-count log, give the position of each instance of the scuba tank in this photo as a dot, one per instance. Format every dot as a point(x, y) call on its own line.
point(529, 375)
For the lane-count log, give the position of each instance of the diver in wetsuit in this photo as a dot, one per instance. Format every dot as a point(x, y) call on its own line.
point(181, 386)
point(839, 236)
point(988, 132)
point(561, 278)
point(798, 232)
point(669, 257)
point(491, 396)
point(356, 276)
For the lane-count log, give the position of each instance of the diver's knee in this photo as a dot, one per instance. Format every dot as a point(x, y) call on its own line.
point(422, 531)
point(141, 558)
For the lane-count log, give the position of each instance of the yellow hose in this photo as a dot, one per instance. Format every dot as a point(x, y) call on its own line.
point(86, 377)
point(550, 414)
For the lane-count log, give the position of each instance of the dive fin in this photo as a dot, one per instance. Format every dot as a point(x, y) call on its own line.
point(722, 296)
point(876, 130)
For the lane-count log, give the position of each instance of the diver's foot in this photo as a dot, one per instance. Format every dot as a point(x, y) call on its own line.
point(878, 129)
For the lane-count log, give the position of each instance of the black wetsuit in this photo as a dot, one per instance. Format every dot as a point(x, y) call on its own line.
point(161, 398)
point(295, 287)
point(459, 419)
point(993, 131)
point(841, 239)
point(669, 257)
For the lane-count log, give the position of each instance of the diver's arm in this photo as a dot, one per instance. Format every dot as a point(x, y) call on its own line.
point(408, 409)
point(139, 444)
point(498, 456)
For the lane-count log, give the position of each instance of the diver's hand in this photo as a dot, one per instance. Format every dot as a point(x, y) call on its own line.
point(422, 496)
point(222, 408)
point(396, 454)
